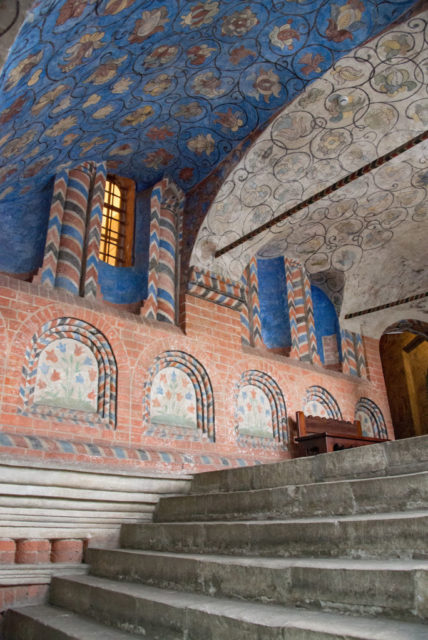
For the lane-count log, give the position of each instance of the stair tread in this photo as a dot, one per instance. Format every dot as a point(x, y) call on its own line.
point(324, 483)
point(75, 626)
point(273, 562)
point(417, 513)
point(267, 615)
point(396, 457)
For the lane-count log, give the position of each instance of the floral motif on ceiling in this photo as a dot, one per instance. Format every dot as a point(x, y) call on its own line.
point(170, 88)
point(369, 103)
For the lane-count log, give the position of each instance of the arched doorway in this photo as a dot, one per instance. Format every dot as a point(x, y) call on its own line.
point(404, 354)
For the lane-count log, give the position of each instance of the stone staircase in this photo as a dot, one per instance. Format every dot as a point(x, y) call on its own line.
point(329, 547)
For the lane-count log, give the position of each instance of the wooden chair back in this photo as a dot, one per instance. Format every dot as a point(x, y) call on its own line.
point(307, 425)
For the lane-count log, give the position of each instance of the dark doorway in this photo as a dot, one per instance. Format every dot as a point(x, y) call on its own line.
point(404, 354)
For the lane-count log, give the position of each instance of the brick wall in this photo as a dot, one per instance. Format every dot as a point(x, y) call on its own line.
point(26, 566)
point(212, 335)
point(331, 352)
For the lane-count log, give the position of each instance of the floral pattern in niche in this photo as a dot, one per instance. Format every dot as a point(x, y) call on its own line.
point(254, 412)
point(67, 376)
point(315, 408)
point(367, 426)
point(173, 399)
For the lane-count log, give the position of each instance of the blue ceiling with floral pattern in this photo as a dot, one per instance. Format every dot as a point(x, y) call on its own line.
point(161, 87)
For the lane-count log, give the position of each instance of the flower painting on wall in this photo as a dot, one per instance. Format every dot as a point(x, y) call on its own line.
point(254, 412)
point(367, 427)
point(173, 399)
point(67, 376)
point(315, 408)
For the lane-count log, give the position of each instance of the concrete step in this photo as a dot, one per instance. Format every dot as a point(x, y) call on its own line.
point(398, 535)
point(50, 623)
point(395, 588)
point(343, 497)
point(390, 458)
point(23, 574)
point(147, 611)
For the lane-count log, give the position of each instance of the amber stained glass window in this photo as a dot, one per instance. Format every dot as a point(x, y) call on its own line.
point(113, 225)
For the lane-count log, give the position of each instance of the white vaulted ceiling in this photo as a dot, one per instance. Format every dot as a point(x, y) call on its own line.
point(368, 240)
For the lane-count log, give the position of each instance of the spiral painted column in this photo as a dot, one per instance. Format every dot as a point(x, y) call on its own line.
point(70, 254)
point(72, 243)
point(302, 325)
point(244, 312)
point(254, 304)
point(353, 358)
point(47, 273)
point(167, 202)
point(90, 276)
point(171, 215)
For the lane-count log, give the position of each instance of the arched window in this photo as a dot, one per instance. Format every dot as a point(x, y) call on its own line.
point(117, 224)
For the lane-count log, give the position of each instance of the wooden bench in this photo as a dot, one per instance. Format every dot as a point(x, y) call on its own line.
point(322, 435)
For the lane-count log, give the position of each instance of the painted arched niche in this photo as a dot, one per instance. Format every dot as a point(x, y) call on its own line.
point(178, 394)
point(173, 399)
point(371, 418)
point(254, 413)
point(260, 407)
point(319, 402)
point(67, 376)
point(70, 374)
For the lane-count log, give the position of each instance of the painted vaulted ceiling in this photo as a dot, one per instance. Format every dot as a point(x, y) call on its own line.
point(367, 238)
point(162, 87)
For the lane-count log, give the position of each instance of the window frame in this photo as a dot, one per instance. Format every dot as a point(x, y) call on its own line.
point(126, 229)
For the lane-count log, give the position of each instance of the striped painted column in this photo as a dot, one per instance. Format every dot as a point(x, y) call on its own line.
point(254, 304)
point(302, 326)
point(71, 247)
point(171, 214)
point(290, 275)
point(349, 360)
point(150, 307)
point(244, 313)
point(310, 321)
point(47, 273)
point(167, 203)
point(353, 358)
point(361, 358)
point(90, 279)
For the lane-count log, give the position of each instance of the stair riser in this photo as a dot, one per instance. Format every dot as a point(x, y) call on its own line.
point(160, 621)
point(391, 458)
point(368, 592)
point(332, 499)
point(125, 612)
point(25, 628)
point(44, 622)
point(391, 538)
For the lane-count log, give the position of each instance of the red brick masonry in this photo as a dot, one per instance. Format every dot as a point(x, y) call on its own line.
point(211, 334)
